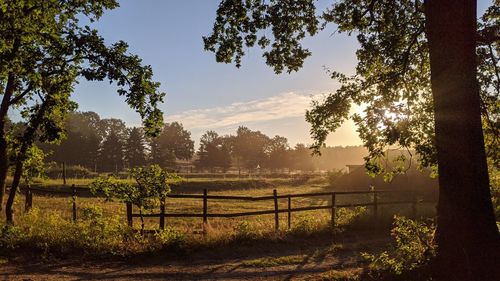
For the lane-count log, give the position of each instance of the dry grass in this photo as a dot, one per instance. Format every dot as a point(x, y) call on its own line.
point(221, 228)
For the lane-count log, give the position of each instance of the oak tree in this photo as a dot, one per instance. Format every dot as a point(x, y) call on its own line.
point(44, 51)
point(417, 75)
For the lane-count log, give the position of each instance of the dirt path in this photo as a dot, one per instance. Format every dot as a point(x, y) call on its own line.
point(314, 259)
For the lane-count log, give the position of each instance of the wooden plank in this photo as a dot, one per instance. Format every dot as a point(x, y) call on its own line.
point(73, 196)
point(64, 172)
point(205, 206)
point(129, 214)
point(162, 213)
point(333, 211)
point(289, 212)
point(28, 203)
point(276, 211)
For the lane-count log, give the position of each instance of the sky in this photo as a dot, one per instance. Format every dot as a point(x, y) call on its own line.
point(205, 95)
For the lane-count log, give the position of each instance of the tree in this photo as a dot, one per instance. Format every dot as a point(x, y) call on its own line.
point(278, 153)
point(111, 153)
point(173, 143)
point(44, 52)
point(152, 184)
point(80, 145)
point(135, 151)
point(417, 73)
point(214, 152)
point(250, 148)
point(301, 158)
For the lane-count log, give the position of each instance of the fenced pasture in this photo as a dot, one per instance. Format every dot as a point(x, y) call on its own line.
point(251, 210)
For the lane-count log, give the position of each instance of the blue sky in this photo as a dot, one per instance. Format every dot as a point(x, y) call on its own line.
point(205, 95)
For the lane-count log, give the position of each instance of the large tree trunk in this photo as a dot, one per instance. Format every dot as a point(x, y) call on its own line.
point(467, 236)
point(4, 155)
point(26, 142)
point(9, 211)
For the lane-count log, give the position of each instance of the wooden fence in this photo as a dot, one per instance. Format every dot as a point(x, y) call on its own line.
point(275, 197)
point(276, 210)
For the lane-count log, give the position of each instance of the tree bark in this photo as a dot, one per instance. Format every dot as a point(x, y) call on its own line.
point(4, 153)
point(467, 235)
point(10, 88)
point(27, 141)
point(9, 212)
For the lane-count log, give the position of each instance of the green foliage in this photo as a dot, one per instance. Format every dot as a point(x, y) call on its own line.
point(244, 230)
point(91, 212)
point(152, 183)
point(392, 79)
point(51, 234)
point(305, 225)
point(135, 150)
point(239, 23)
point(173, 143)
point(413, 248)
point(169, 237)
point(214, 152)
point(34, 166)
point(348, 216)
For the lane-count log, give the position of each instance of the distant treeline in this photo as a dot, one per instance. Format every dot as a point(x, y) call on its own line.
point(108, 145)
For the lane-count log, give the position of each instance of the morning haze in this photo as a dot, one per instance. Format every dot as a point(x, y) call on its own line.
point(249, 140)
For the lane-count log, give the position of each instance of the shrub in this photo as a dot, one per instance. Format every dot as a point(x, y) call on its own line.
point(413, 248)
point(246, 231)
point(152, 184)
point(348, 216)
point(54, 171)
point(306, 225)
point(169, 237)
point(91, 212)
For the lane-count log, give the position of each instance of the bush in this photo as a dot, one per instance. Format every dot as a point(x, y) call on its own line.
point(246, 231)
point(349, 216)
point(169, 237)
point(51, 234)
point(55, 172)
point(413, 248)
point(306, 225)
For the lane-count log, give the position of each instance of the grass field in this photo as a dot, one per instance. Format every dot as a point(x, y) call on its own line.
point(225, 248)
point(252, 225)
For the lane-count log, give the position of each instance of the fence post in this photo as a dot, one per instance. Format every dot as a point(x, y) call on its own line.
point(375, 210)
point(276, 213)
point(28, 199)
point(414, 205)
point(289, 212)
point(129, 214)
point(205, 210)
point(333, 211)
point(162, 212)
point(64, 172)
point(73, 191)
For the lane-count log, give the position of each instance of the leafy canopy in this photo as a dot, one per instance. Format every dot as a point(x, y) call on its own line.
point(44, 51)
point(151, 184)
point(392, 79)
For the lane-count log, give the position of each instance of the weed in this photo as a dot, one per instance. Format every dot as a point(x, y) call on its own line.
point(414, 248)
point(244, 230)
point(170, 237)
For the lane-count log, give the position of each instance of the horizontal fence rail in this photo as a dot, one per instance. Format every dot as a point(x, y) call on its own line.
point(276, 211)
point(75, 191)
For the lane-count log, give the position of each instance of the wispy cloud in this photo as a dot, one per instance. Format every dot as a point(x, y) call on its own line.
point(282, 106)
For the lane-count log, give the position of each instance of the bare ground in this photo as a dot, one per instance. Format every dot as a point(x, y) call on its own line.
point(314, 258)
